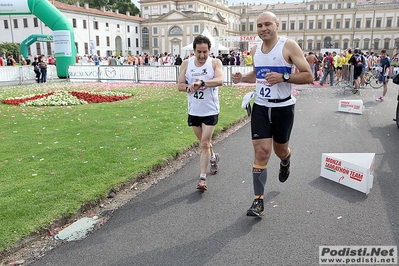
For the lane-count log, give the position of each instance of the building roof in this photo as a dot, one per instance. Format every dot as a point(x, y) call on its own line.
point(92, 11)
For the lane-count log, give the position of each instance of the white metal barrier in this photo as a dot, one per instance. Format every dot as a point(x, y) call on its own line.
point(21, 74)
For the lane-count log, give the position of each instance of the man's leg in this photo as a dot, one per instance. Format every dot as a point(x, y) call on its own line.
point(204, 135)
point(262, 149)
point(284, 153)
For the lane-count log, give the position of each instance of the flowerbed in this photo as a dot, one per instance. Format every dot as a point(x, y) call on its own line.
point(64, 98)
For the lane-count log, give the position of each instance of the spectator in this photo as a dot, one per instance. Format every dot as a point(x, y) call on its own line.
point(328, 65)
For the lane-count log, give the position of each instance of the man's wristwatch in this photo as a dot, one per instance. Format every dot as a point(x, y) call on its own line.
point(202, 83)
point(286, 76)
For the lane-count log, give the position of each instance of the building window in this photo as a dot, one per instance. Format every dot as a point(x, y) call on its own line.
point(154, 30)
point(320, 7)
point(389, 22)
point(376, 46)
point(108, 41)
point(15, 23)
point(84, 24)
point(196, 28)
point(6, 24)
point(292, 27)
point(107, 26)
point(38, 48)
point(98, 40)
point(386, 44)
point(318, 46)
point(358, 24)
point(284, 26)
point(95, 25)
point(329, 6)
point(319, 25)
point(251, 27)
point(366, 45)
point(345, 45)
point(128, 28)
point(25, 22)
point(164, 6)
point(146, 8)
point(397, 23)
point(175, 31)
point(328, 24)
point(137, 29)
point(311, 25)
point(145, 38)
point(368, 23)
point(356, 44)
point(128, 42)
point(48, 44)
point(215, 32)
point(86, 48)
point(310, 45)
point(378, 23)
point(137, 42)
point(190, 6)
point(348, 5)
point(35, 22)
point(347, 24)
point(155, 42)
point(311, 7)
point(301, 25)
point(243, 27)
point(339, 6)
point(338, 24)
point(74, 22)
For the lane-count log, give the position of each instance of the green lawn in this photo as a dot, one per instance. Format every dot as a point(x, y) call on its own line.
point(55, 159)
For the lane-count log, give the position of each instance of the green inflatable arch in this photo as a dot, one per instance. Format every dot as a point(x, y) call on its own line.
point(23, 48)
point(63, 35)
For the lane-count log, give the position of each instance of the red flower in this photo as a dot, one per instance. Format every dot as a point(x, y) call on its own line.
point(96, 98)
point(22, 100)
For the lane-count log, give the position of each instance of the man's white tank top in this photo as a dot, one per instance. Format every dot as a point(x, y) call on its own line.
point(205, 101)
point(272, 62)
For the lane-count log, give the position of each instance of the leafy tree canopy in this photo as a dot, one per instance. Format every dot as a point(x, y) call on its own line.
point(9, 48)
point(121, 5)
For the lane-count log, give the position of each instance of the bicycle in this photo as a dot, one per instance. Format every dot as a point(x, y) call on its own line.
point(371, 78)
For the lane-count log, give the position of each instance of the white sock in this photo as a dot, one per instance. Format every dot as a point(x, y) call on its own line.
point(203, 176)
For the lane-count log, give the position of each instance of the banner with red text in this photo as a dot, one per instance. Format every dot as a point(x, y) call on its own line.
point(354, 170)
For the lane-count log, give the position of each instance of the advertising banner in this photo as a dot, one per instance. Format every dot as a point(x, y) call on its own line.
point(351, 106)
point(353, 170)
point(14, 7)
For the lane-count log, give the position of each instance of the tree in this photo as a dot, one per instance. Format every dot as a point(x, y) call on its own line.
point(121, 5)
point(126, 5)
point(9, 48)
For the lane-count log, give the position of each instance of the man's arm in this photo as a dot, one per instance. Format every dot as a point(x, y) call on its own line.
point(181, 83)
point(293, 54)
point(249, 77)
point(218, 78)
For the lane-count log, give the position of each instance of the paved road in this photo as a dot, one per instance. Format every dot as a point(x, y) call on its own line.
point(173, 224)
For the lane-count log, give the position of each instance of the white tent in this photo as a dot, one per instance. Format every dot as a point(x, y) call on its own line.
point(215, 46)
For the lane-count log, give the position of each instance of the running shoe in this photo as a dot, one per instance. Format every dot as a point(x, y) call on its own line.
point(380, 99)
point(215, 164)
point(202, 185)
point(257, 208)
point(284, 172)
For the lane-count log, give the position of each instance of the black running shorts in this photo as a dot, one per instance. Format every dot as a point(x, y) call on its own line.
point(197, 121)
point(272, 122)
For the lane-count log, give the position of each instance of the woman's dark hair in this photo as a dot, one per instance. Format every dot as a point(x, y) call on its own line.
point(201, 39)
